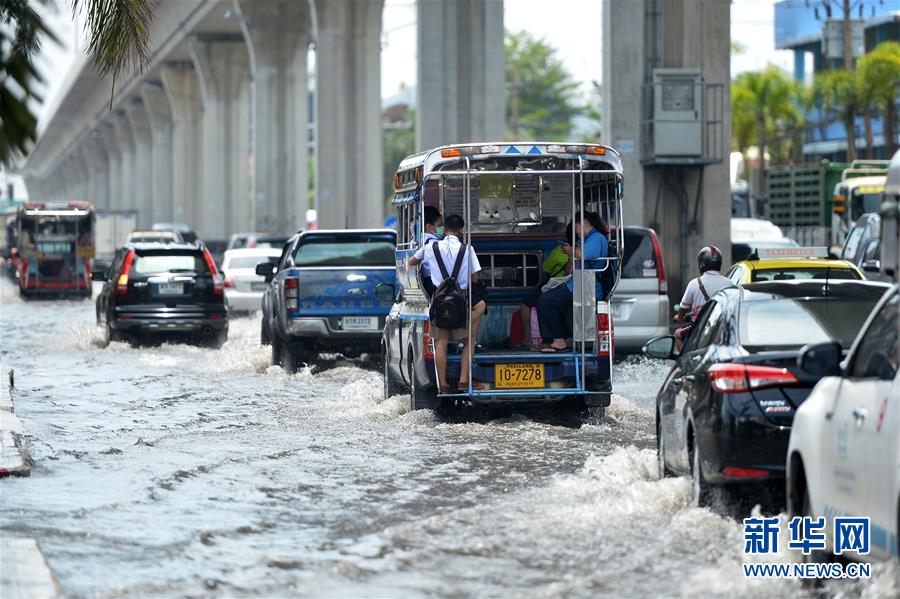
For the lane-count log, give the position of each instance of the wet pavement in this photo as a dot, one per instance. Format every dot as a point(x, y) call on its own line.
point(185, 471)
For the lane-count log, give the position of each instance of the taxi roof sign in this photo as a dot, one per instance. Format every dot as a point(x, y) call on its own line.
point(788, 253)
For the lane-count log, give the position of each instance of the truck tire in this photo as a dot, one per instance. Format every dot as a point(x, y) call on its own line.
point(276, 350)
point(265, 334)
point(292, 356)
point(391, 387)
point(421, 397)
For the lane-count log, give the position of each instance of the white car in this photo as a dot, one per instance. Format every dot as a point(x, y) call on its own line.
point(243, 287)
point(844, 452)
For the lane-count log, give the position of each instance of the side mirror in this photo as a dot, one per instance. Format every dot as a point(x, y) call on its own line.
point(662, 348)
point(821, 359)
point(385, 292)
point(99, 276)
point(873, 266)
point(266, 270)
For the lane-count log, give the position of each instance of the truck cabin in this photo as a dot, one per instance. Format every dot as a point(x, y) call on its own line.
point(516, 207)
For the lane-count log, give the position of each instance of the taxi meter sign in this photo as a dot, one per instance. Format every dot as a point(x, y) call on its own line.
point(786, 253)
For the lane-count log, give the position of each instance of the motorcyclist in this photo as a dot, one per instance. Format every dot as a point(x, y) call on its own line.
point(700, 289)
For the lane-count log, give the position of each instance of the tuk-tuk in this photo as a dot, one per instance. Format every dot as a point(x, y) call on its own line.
point(516, 200)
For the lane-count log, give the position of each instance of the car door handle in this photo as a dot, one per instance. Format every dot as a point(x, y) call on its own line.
point(860, 414)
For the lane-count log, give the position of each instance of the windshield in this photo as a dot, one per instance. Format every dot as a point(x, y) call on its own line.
point(249, 261)
point(345, 250)
point(808, 272)
point(864, 203)
point(793, 323)
point(153, 263)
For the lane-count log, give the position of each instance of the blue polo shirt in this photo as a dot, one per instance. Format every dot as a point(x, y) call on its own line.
point(594, 246)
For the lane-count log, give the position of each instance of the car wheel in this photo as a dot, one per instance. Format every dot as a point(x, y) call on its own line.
point(814, 557)
point(219, 339)
point(391, 387)
point(276, 350)
point(663, 469)
point(700, 490)
point(265, 335)
point(420, 397)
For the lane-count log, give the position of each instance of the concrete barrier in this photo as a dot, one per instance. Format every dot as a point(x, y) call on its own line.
point(14, 461)
point(24, 573)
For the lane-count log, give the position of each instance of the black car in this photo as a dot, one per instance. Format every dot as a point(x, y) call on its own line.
point(163, 288)
point(724, 412)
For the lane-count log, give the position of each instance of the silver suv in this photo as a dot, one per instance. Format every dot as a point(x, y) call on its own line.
point(640, 304)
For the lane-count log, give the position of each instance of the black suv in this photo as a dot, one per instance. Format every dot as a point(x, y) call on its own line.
point(163, 288)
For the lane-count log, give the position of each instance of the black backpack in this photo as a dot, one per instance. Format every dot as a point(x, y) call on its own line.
point(449, 307)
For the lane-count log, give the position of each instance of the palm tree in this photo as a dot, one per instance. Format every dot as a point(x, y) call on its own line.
point(762, 102)
point(879, 73)
point(119, 36)
point(837, 93)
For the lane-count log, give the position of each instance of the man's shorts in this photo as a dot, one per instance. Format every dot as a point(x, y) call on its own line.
point(440, 334)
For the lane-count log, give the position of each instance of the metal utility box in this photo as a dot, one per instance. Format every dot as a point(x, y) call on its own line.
point(678, 112)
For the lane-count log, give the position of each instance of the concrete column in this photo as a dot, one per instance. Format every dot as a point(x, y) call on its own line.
point(94, 151)
point(223, 68)
point(348, 106)
point(160, 116)
point(461, 95)
point(182, 88)
point(687, 204)
point(80, 175)
point(142, 174)
point(277, 36)
point(113, 165)
point(124, 137)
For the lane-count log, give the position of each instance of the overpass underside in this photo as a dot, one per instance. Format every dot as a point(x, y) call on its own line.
point(218, 130)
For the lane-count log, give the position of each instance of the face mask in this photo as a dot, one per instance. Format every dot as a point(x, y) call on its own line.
point(439, 232)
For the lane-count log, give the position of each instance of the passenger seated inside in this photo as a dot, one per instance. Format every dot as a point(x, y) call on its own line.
point(555, 306)
point(556, 266)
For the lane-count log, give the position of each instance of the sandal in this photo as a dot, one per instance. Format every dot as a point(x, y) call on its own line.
point(444, 389)
point(476, 386)
point(552, 349)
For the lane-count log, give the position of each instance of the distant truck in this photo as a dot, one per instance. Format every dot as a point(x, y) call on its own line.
point(321, 295)
point(816, 204)
point(111, 229)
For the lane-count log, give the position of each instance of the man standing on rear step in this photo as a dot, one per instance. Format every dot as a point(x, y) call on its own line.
point(699, 290)
point(434, 231)
point(439, 258)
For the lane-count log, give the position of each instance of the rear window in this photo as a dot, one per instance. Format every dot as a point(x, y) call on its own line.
point(249, 261)
point(158, 262)
point(345, 250)
point(793, 323)
point(790, 274)
point(639, 260)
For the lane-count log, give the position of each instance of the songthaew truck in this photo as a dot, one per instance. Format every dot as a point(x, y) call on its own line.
point(816, 204)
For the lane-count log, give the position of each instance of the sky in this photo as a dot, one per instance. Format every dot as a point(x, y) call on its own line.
point(578, 40)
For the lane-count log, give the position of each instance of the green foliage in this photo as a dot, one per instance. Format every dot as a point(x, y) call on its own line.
point(879, 72)
point(20, 39)
point(118, 33)
point(763, 103)
point(399, 142)
point(540, 89)
point(837, 92)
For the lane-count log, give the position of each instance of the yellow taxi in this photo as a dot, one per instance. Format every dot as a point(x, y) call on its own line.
point(792, 263)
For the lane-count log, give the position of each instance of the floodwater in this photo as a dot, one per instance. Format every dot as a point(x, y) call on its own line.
point(184, 471)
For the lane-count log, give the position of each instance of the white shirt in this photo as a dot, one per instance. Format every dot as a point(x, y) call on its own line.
point(429, 238)
point(449, 249)
point(713, 281)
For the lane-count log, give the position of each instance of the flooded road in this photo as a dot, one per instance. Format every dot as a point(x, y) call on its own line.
point(186, 471)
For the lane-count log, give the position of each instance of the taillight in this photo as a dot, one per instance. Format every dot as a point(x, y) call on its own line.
point(735, 472)
point(428, 348)
point(738, 378)
point(122, 283)
point(291, 293)
point(604, 331)
point(218, 283)
point(660, 269)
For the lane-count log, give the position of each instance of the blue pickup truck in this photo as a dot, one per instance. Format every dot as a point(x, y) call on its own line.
point(321, 295)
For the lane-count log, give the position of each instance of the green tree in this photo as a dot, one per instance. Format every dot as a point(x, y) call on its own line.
point(399, 142)
point(762, 103)
point(837, 92)
point(21, 34)
point(879, 73)
point(540, 90)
